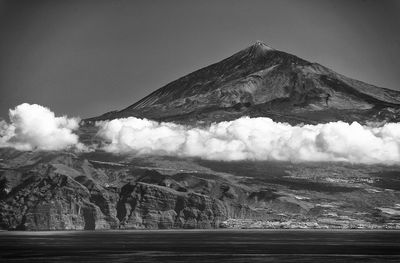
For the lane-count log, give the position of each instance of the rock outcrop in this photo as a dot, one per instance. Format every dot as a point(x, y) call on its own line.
point(64, 191)
point(61, 193)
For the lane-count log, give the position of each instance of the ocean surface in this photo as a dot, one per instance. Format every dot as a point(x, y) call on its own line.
point(201, 246)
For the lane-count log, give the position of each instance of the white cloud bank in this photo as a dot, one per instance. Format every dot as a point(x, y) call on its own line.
point(255, 139)
point(35, 127)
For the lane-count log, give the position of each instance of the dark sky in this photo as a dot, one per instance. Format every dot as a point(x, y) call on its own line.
point(84, 58)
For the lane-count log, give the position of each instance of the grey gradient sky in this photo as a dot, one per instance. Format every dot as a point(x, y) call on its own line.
point(84, 58)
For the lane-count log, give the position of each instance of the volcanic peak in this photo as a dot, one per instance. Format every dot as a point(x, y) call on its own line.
point(260, 81)
point(260, 47)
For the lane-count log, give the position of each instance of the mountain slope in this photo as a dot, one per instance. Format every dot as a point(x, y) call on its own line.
point(261, 81)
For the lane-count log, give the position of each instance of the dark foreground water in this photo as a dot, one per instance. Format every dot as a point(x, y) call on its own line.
point(201, 246)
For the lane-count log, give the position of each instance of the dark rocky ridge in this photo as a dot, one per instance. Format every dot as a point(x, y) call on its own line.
point(261, 81)
point(65, 191)
point(61, 191)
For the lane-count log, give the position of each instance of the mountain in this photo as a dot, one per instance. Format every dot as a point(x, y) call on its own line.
point(76, 190)
point(262, 81)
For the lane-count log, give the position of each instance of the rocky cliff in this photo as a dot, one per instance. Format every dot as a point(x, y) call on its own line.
point(53, 191)
point(68, 191)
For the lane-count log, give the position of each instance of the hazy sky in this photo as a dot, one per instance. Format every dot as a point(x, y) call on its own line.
point(84, 58)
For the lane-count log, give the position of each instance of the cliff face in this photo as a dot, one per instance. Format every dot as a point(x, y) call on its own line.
point(64, 192)
point(148, 206)
point(51, 201)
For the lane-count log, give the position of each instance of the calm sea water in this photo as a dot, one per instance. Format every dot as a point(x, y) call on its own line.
point(201, 246)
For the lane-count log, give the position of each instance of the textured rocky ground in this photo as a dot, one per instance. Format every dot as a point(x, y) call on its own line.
point(63, 191)
point(43, 190)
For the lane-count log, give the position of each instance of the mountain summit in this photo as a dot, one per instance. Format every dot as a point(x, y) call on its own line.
point(262, 81)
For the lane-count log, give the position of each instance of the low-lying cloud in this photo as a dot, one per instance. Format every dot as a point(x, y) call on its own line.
point(255, 139)
point(35, 127)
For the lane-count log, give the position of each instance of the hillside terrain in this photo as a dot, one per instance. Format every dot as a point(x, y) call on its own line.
point(65, 191)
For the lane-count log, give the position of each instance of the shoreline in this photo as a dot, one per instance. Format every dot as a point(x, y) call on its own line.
point(194, 230)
